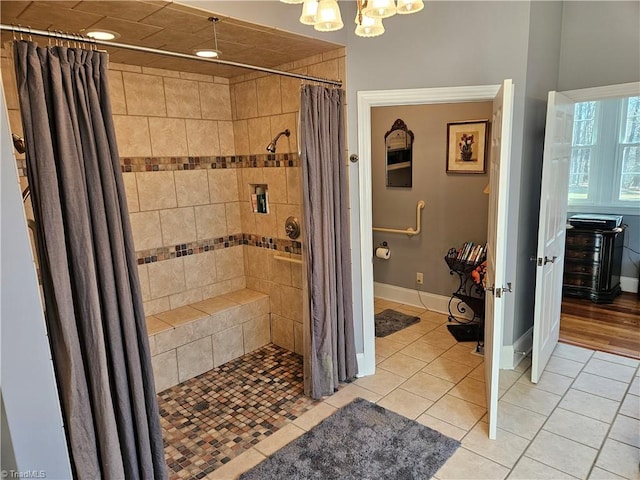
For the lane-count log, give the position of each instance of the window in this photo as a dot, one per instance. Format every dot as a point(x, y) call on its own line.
point(605, 156)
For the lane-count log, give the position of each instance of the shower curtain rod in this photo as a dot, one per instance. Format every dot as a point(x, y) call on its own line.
point(81, 38)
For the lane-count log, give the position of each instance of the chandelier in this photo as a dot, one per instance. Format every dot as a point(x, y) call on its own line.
point(325, 15)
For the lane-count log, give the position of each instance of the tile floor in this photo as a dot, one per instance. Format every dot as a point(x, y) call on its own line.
point(582, 420)
point(214, 417)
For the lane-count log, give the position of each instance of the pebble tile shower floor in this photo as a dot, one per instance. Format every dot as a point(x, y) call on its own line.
point(211, 419)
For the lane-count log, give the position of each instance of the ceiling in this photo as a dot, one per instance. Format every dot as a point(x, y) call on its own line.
point(167, 26)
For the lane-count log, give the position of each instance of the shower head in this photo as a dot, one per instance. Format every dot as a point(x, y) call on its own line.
point(271, 148)
point(18, 143)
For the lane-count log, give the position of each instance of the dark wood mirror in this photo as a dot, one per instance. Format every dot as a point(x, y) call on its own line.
point(399, 148)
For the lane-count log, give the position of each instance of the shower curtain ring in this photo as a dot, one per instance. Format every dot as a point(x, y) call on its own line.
point(30, 38)
point(20, 26)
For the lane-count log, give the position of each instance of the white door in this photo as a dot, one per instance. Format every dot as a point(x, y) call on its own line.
point(497, 245)
point(551, 230)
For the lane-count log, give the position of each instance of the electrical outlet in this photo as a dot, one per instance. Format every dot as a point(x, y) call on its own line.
point(419, 278)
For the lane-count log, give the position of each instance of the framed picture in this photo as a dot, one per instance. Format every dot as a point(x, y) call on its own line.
point(466, 147)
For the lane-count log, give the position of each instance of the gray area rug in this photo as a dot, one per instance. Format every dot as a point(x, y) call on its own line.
point(360, 441)
point(389, 321)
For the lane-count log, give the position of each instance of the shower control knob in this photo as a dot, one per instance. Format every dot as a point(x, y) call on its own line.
point(292, 227)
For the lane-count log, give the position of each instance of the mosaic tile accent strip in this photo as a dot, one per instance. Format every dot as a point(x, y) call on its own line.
point(22, 167)
point(163, 164)
point(166, 253)
point(214, 417)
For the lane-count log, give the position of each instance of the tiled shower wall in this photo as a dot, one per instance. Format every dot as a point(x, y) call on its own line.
point(262, 106)
point(194, 231)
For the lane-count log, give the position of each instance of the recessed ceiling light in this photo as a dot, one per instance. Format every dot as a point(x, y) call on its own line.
point(101, 34)
point(207, 53)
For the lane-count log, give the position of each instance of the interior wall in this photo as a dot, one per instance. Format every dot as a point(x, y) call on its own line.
point(542, 71)
point(456, 210)
point(600, 44)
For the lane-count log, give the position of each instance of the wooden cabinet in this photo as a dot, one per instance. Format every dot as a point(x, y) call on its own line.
point(592, 263)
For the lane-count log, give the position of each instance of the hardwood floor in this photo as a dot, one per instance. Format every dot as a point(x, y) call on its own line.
point(612, 328)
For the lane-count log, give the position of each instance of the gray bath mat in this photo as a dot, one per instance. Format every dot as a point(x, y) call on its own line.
point(389, 321)
point(361, 440)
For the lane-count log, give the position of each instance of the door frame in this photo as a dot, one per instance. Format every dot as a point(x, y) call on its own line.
point(387, 98)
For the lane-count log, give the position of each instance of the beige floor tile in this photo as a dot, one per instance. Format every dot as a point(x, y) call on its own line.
point(405, 403)
point(478, 373)
point(619, 458)
point(599, 474)
point(435, 317)
point(529, 469)
point(386, 348)
point(574, 426)
point(349, 393)
point(423, 326)
point(402, 365)
point(279, 439)
point(549, 382)
point(523, 364)
point(382, 382)
point(439, 338)
point(614, 371)
point(441, 426)
point(237, 466)
point(313, 417)
point(405, 336)
point(379, 359)
point(462, 355)
point(562, 454)
point(531, 398)
point(634, 389)
point(608, 357)
point(447, 370)
point(471, 390)
point(604, 387)
point(631, 406)
point(571, 352)
point(589, 405)
point(518, 420)
point(456, 411)
point(465, 464)
point(410, 310)
point(427, 386)
point(626, 430)
point(506, 449)
point(423, 351)
point(563, 366)
point(508, 378)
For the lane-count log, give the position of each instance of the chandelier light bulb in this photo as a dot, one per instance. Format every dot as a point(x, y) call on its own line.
point(380, 8)
point(368, 27)
point(309, 12)
point(409, 6)
point(328, 18)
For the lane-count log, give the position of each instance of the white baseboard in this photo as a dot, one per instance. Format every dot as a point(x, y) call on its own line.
point(629, 284)
point(512, 355)
point(433, 302)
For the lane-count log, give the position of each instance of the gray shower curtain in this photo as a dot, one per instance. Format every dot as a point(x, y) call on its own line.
point(92, 296)
point(331, 356)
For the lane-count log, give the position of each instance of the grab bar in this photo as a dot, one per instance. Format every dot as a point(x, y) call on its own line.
point(287, 259)
point(409, 231)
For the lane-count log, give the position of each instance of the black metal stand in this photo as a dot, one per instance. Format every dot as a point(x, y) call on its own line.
point(468, 295)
